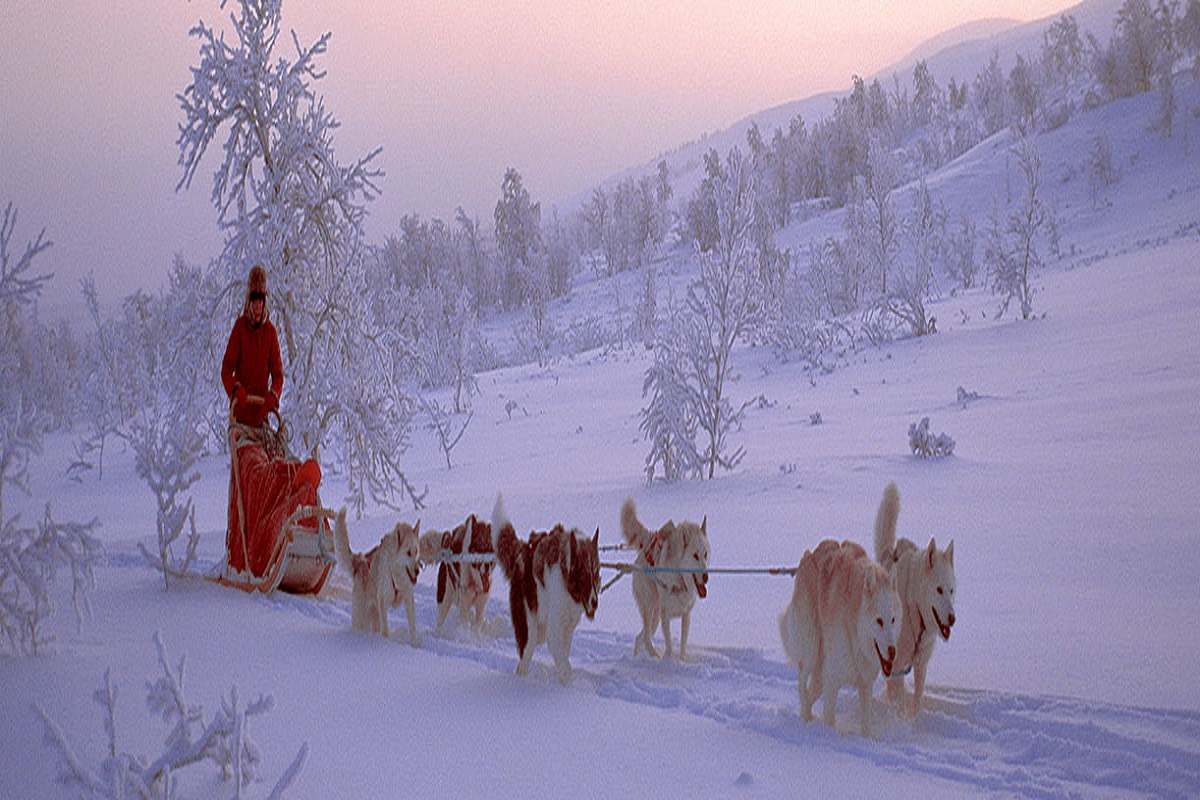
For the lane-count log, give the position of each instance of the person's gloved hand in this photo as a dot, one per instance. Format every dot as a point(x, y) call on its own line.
point(271, 402)
point(239, 395)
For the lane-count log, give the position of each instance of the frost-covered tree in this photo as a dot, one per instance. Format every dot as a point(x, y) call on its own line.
point(30, 557)
point(1063, 54)
point(645, 309)
point(1025, 95)
point(1188, 31)
point(872, 225)
point(22, 422)
point(835, 277)
point(723, 304)
point(519, 240)
point(669, 421)
point(627, 224)
point(158, 359)
point(961, 264)
point(915, 282)
point(926, 95)
point(700, 213)
point(989, 96)
point(1099, 166)
point(285, 201)
point(1013, 252)
point(1141, 37)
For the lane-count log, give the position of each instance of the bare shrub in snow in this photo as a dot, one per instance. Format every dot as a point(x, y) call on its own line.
point(167, 449)
point(925, 445)
point(449, 430)
point(222, 740)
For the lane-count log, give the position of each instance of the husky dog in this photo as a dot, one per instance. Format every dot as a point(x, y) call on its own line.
point(463, 584)
point(840, 627)
point(925, 580)
point(554, 578)
point(664, 595)
point(383, 577)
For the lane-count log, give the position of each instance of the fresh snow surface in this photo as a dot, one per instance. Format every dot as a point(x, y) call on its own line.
point(1072, 498)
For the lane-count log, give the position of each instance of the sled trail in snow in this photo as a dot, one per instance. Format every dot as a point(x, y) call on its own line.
point(1034, 746)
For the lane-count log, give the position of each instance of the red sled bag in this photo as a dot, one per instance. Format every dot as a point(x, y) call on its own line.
point(273, 503)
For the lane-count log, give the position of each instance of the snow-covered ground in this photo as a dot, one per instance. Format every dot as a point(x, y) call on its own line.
point(1073, 499)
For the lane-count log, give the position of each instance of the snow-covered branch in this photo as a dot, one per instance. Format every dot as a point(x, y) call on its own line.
point(222, 740)
point(30, 559)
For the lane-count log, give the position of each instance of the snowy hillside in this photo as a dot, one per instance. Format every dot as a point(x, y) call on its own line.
point(1071, 497)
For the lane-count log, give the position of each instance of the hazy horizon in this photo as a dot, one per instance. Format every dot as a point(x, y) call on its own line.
point(454, 94)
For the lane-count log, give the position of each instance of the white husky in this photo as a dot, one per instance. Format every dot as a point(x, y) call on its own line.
point(925, 581)
point(665, 595)
point(383, 577)
point(840, 627)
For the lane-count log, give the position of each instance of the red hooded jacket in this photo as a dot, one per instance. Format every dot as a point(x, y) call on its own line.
point(252, 360)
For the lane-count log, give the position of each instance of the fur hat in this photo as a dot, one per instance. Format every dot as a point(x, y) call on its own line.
point(257, 282)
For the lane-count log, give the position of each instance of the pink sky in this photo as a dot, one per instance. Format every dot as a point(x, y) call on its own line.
point(569, 93)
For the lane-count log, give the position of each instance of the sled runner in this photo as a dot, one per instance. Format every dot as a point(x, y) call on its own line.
point(278, 536)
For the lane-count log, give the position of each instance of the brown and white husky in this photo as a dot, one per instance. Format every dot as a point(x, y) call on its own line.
point(383, 577)
point(554, 579)
point(463, 584)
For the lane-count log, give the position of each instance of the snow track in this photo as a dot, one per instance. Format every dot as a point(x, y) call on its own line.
point(989, 742)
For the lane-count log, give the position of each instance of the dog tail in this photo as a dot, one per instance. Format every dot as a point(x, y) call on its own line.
point(505, 542)
point(885, 525)
point(341, 543)
point(632, 529)
point(788, 634)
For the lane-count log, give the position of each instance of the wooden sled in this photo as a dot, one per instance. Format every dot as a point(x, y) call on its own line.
point(302, 554)
point(301, 560)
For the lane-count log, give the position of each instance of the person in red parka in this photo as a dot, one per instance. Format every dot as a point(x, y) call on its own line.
point(252, 370)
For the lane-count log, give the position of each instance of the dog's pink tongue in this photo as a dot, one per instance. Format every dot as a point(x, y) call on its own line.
point(702, 589)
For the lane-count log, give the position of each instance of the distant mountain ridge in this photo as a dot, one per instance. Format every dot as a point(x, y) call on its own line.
point(959, 53)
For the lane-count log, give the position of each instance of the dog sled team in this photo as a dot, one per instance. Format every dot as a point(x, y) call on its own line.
point(850, 617)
